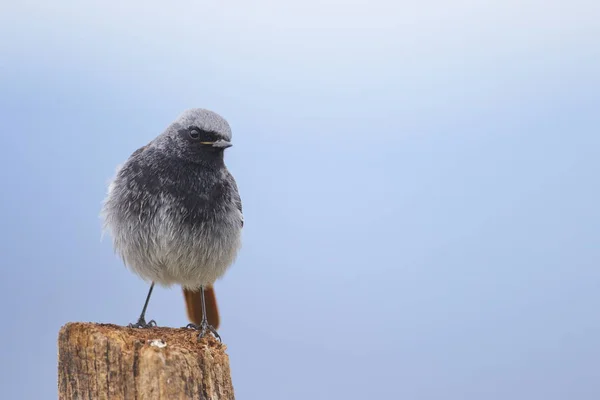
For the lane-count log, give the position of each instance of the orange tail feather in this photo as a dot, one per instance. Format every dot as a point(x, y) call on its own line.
point(193, 305)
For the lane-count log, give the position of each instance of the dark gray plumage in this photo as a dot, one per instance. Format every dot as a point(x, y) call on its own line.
point(173, 210)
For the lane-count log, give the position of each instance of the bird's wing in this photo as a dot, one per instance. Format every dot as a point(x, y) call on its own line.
point(238, 202)
point(236, 197)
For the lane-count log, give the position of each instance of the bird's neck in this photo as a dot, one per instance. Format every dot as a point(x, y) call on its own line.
point(209, 160)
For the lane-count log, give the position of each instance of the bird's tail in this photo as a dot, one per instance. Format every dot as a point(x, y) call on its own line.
point(193, 303)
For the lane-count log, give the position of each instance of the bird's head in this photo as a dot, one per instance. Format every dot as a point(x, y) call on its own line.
point(197, 135)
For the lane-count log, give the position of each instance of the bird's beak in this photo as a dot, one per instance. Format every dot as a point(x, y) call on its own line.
point(222, 144)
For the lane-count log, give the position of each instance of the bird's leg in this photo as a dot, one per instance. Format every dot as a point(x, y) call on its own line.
point(204, 326)
point(141, 323)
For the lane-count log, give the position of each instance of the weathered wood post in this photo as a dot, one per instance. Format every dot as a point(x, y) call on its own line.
point(102, 361)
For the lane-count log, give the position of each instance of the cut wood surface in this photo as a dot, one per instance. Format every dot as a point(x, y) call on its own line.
point(103, 361)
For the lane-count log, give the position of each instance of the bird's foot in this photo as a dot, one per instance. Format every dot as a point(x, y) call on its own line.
point(142, 324)
point(204, 328)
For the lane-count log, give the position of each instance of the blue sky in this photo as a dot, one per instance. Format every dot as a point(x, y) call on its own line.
point(419, 185)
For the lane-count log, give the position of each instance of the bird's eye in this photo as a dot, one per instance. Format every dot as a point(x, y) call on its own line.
point(194, 133)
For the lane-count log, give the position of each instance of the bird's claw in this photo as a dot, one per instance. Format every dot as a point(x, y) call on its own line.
point(204, 327)
point(142, 324)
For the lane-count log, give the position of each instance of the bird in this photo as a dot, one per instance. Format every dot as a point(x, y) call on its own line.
point(174, 213)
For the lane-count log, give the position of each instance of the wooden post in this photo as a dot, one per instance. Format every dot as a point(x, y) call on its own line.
point(101, 361)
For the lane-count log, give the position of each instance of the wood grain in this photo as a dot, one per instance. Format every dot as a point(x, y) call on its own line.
point(102, 361)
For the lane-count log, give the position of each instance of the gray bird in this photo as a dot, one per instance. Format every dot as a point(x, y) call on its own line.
point(175, 215)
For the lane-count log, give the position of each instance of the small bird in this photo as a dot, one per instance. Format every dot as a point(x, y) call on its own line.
point(175, 215)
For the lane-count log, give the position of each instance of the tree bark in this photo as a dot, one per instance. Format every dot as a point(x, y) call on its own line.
point(102, 361)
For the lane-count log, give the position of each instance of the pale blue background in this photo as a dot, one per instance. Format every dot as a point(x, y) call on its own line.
point(420, 187)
